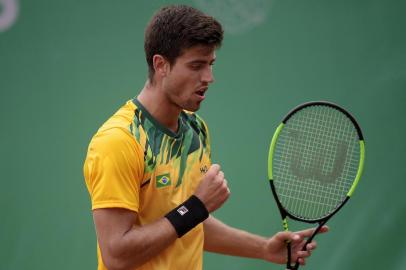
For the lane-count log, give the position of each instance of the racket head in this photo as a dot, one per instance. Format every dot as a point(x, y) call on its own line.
point(315, 161)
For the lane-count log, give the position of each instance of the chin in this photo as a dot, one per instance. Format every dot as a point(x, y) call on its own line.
point(193, 109)
point(191, 106)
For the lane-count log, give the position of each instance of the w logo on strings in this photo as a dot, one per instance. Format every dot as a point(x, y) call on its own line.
point(308, 159)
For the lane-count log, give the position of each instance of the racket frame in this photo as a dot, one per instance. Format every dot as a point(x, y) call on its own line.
point(323, 220)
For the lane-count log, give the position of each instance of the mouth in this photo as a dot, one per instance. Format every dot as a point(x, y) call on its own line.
point(201, 92)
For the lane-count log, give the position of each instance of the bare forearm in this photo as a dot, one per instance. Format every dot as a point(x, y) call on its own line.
point(221, 238)
point(140, 244)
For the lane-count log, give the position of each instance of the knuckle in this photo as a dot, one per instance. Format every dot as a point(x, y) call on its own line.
point(220, 176)
point(219, 180)
point(215, 167)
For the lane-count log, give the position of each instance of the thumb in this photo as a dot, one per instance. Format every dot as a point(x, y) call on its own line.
point(288, 237)
point(213, 170)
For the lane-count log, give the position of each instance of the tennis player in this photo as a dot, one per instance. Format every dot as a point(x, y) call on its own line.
point(148, 169)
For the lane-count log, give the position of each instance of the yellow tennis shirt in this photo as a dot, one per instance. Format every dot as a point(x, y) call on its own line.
point(133, 162)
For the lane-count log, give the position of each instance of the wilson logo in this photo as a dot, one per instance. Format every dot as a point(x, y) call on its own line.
point(316, 164)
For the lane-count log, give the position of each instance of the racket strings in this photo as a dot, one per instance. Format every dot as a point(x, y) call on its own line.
point(315, 161)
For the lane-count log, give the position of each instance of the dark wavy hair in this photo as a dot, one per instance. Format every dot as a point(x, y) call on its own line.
point(175, 28)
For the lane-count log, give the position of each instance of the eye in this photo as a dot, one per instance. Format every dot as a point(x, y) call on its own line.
point(196, 66)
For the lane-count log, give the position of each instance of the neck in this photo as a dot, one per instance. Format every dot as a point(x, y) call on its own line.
point(157, 104)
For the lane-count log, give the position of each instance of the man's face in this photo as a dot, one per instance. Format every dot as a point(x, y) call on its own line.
point(189, 77)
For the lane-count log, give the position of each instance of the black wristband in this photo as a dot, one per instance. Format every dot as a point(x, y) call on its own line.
point(187, 215)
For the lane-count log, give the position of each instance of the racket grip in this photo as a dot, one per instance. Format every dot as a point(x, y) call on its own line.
point(289, 259)
point(304, 248)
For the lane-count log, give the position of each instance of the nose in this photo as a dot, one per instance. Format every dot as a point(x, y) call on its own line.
point(207, 75)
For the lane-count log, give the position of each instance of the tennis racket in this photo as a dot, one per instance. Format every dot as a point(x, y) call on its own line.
point(315, 161)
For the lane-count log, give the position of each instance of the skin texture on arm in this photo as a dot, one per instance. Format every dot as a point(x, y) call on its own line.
point(124, 245)
point(221, 238)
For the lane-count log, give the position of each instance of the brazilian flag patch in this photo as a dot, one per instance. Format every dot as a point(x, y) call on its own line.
point(163, 180)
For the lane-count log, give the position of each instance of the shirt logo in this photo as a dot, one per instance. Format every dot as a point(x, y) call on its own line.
point(163, 180)
point(182, 210)
point(203, 169)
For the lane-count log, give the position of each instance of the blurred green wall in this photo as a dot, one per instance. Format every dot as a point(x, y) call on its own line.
point(66, 66)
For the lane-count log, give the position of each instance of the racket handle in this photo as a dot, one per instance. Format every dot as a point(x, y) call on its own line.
point(289, 260)
point(308, 241)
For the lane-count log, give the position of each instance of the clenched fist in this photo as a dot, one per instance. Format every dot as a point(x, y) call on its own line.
point(213, 190)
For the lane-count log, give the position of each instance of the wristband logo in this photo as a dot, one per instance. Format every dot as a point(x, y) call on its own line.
point(163, 180)
point(182, 210)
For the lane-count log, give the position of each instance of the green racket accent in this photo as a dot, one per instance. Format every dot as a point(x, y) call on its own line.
point(271, 150)
point(360, 167)
point(285, 224)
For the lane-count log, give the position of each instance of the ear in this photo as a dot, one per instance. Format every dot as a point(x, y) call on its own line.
point(161, 65)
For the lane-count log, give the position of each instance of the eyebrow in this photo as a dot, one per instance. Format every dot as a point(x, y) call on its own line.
point(201, 61)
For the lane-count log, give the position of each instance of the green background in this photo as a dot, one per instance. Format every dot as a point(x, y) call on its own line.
point(66, 66)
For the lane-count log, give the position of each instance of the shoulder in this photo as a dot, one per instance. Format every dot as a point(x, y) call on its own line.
point(111, 138)
point(115, 134)
point(123, 118)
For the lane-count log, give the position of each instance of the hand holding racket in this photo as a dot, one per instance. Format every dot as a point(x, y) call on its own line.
point(315, 161)
point(275, 250)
